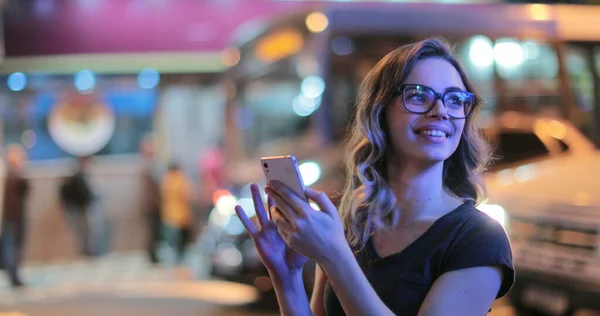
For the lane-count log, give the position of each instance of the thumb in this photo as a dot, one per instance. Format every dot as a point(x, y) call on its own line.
point(322, 201)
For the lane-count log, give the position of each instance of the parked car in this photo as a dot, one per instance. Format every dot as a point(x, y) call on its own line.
point(545, 189)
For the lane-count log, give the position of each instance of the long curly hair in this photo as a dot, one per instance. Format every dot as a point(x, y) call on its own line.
point(368, 202)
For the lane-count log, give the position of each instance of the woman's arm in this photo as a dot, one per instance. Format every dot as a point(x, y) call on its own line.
point(284, 264)
point(317, 300)
point(291, 294)
point(463, 292)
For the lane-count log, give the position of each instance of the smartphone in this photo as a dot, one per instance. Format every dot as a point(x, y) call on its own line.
point(285, 170)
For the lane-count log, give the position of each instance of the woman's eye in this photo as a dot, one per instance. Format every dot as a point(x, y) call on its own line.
point(417, 97)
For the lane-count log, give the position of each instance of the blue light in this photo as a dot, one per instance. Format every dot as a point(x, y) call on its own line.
point(85, 80)
point(17, 81)
point(148, 78)
point(342, 45)
point(312, 86)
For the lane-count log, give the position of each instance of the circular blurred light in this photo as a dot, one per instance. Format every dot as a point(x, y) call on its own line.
point(582, 199)
point(230, 56)
point(17, 81)
point(524, 173)
point(342, 45)
point(248, 205)
point(481, 51)
point(85, 81)
point(317, 22)
point(557, 129)
point(508, 53)
point(299, 109)
point(225, 205)
point(505, 177)
point(305, 106)
point(312, 86)
point(494, 211)
point(235, 226)
point(82, 134)
point(531, 50)
point(227, 254)
point(539, 12)
point(28, 139)
point(148, 78)
point(217, 219)
point(310, 171)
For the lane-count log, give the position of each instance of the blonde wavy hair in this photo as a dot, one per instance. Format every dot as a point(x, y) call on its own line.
point(368, 202)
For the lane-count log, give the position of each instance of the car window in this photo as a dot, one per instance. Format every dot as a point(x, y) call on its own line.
point(515, 146)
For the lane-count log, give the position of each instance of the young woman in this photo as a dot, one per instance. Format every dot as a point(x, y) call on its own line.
point(407, 239)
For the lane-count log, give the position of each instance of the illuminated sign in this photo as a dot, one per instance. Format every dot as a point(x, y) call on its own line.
point(279, 45)
point(81, 125)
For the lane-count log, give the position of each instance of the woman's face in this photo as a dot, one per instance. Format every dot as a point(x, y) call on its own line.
point(434, 136)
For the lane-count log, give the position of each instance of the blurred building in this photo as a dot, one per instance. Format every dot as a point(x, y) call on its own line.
point(94, 77)
point(299, 77)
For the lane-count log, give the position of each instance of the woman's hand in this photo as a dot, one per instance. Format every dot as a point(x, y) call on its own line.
point(318, 235)
point(277, 257)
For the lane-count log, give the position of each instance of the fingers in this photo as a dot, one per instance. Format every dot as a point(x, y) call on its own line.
point(285, 212)
point(283, 207)
point(286, 236)
point(280, 221)
point(284, 228)
point(245, 221)
point(270, 204)
point(322, 201)
point(283, 195)
point(258, 205)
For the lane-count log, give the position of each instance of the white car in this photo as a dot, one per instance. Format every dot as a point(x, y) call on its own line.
point(545, 190)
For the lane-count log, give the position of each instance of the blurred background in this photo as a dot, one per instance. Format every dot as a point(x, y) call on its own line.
point(130, 129)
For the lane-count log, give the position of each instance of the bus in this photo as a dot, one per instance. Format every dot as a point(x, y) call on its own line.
point(297, 77)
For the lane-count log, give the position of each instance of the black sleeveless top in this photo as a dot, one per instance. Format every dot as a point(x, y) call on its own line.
point(463, 238)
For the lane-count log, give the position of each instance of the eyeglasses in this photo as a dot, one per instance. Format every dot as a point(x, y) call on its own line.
point(420, 99)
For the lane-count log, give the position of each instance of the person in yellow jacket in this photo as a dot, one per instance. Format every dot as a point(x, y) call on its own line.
point(176, 210)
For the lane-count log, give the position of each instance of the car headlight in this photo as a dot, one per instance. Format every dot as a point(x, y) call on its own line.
point(495, 211)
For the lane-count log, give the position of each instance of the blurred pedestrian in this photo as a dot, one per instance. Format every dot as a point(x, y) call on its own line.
point(176, 197)
point(14, 220)
point(77, 198)
point(151, 201)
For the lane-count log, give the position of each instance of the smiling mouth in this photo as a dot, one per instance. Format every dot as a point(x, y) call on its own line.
point(433, 133)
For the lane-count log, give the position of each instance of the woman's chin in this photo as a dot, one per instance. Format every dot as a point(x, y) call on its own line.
point(431, 157)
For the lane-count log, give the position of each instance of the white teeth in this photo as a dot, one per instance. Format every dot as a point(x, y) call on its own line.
point(434, 133)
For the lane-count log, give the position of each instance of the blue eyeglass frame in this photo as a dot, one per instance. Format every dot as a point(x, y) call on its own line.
point(438, 96)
